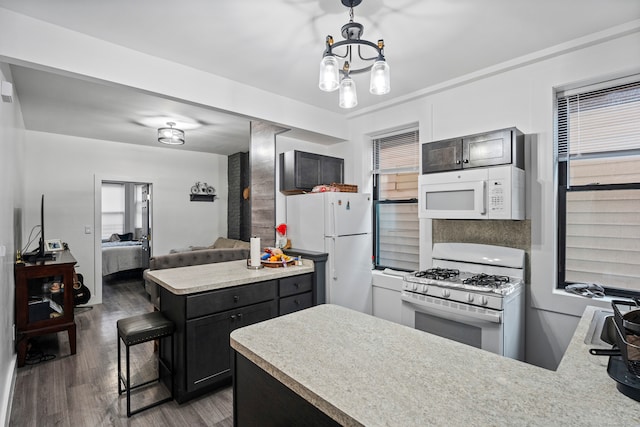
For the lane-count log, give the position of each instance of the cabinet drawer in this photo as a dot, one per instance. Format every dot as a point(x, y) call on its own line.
point(295, 303)
point(296, 284)
point(227, 299)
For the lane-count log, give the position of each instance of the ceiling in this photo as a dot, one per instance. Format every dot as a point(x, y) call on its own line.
point(276, 46)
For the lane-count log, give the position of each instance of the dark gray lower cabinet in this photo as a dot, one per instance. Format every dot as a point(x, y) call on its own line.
point(208, 357)
point(261, 400)
point(204, 321)
point(295, 293)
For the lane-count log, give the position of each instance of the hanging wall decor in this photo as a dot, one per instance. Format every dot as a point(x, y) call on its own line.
point(202, 192)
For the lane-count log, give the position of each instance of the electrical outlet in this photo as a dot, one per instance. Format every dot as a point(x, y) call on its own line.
point(87, 229)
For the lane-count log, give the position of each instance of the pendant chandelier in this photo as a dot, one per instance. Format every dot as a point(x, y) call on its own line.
point(353, 50)
point(171, 135)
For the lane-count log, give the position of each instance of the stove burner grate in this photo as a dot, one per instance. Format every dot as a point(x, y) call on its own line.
point(438, 273)
point(487, 280)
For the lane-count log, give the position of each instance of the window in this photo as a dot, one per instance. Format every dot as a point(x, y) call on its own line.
point(598, 145)
point(113, 209)
point(395, 194)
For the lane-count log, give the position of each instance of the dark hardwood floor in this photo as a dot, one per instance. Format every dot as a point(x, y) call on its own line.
point(82, 390)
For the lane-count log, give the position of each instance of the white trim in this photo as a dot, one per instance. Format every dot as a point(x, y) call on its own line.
point(396, 130)
point(98, 179)
point(591, 85)
point(8, 392)
point(541, 55)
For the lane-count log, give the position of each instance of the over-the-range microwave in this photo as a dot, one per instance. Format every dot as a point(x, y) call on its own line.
point(496, 192)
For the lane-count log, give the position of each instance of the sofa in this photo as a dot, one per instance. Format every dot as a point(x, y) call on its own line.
point(222, 250)
point(220, 243)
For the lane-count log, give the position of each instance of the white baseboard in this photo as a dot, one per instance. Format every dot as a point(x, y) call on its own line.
point(7, 393)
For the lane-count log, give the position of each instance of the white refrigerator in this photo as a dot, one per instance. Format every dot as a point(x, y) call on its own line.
point(338, 224)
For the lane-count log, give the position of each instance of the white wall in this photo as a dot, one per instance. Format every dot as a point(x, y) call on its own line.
point(11, 192)
point(520, 96)
point(68, 171)
point(71, 53)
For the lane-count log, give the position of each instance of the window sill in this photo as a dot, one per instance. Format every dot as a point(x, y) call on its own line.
point(570, 304)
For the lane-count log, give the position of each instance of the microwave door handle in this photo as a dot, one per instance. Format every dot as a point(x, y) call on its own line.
point(481, 198)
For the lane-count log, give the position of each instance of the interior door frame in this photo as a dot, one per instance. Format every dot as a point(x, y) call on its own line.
point(98, 179)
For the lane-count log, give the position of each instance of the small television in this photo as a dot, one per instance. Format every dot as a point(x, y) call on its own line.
point(39, 254)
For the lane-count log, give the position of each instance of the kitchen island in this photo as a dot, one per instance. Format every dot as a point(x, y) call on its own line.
point(335, 366)
point(206, 302)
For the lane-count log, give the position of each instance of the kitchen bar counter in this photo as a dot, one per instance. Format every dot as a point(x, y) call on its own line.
point(208, 277)
point(361, 370)
point(206, 302)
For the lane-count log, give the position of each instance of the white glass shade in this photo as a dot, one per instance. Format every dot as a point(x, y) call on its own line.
point(380, 81)
point(171, 136)
point(348, 96)
point(329, 74)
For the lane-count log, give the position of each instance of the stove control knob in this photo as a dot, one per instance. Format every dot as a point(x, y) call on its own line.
point(425, 288)
point(484, 301)
point(415, 286)
point(470, 297)
point(446, 293)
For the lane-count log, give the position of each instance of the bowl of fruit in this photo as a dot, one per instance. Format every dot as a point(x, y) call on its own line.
point(274, 257)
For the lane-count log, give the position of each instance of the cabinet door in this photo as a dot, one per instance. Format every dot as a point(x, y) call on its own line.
point(442, 156)
point(332, 170)
point(208, 358)
point(387, 304)
point(490, 149)
point(308, 170)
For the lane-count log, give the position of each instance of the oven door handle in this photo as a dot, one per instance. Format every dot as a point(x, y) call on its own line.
point(429, 305)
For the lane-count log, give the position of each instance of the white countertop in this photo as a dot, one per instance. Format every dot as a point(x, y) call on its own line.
point(207, 277)
point(361, 370)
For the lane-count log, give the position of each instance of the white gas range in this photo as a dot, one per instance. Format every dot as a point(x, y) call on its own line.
point(473, 294)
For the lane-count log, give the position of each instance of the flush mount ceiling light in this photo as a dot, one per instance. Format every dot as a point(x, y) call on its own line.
point(352, 49)
point(171, 135)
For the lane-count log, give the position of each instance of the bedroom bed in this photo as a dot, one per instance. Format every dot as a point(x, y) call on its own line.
point(122, 256)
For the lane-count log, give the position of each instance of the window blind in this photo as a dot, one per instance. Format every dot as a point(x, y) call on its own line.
point(395, 162)
point(396, 153)
point(599, 123)
point(113, 209)
point(598, 143)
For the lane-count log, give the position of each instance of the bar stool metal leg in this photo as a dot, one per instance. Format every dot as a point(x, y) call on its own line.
point(138, 330)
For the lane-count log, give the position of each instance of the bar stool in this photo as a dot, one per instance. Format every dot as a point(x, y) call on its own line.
point(137, 330)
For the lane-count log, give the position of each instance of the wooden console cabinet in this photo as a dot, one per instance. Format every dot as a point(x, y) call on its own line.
point(39, 309)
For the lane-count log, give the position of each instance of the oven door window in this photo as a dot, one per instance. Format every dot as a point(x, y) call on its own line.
point(460, 332)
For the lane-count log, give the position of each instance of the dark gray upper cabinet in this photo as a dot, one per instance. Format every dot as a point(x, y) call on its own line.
point(301, 171)
point(500, 147)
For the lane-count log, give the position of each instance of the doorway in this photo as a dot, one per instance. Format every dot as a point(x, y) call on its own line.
point(123, 230)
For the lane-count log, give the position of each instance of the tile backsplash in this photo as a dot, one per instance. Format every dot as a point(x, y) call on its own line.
point(514, 234)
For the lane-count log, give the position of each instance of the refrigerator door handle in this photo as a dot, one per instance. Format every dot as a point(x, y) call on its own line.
point(333, 219)
point(332, 265)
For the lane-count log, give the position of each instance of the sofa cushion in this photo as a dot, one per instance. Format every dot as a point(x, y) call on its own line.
point(206, 256)
point(223, 242)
